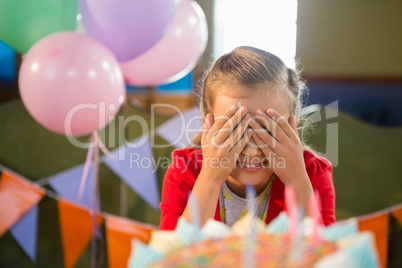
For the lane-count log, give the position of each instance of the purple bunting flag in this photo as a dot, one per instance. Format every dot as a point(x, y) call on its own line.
point(25, 232)
point(67, 184)
point(135, 165)
point(179, 130)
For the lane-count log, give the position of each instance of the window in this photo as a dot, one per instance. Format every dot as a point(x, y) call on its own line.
point(266, 24)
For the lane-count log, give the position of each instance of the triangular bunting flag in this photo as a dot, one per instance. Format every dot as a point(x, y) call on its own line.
point(25, 232)
point(397, 213)
point(119, 233)
point(17, 197)
point(179, 130)
point(67, 184)
point(135, 165)
point(378, 225)
point(76, 228)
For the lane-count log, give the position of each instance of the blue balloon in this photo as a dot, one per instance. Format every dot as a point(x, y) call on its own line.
point(7, 63)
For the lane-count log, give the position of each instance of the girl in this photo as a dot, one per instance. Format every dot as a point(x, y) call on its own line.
point(250, 103)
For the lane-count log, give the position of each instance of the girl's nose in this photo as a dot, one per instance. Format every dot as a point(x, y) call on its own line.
point(251, 149)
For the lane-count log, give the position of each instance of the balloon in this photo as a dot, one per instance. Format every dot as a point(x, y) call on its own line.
point(176, 54)
point(71, 84)
point(7, 64)
point(127, 28)
point(24, 22)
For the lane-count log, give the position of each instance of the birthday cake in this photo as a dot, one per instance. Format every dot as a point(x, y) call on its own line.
point(250, 243)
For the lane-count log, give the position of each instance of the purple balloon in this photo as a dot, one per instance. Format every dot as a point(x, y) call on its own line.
point(175, 55)
point(127, 27)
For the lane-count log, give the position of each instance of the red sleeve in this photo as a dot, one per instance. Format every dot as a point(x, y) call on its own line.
point(177, 184)
point(319, 171)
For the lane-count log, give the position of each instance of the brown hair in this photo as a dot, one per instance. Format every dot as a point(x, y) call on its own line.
point(255, 69)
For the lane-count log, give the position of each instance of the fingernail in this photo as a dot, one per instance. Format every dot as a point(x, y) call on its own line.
point(271, 112)
point(253, 122)
point(291, 118)
point(233, 108)
point(259, 112)
point(243, 109)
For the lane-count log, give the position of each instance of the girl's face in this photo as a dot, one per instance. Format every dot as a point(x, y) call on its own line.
point(252, 167)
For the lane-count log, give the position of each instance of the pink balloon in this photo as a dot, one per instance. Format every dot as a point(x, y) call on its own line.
point(71, 84)
point(176, 54)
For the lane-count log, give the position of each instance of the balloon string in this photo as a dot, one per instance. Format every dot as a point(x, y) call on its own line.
point(102, 146)
point(87, 166)
point(93, 155)
point(96, 233)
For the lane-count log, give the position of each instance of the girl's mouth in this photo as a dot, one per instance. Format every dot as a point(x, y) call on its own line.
point(250, 167)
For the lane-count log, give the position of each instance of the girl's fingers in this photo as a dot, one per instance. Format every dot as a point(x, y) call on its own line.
point(229, 125)
point(282, 122)
point(266, 150)
point(267, 138)
point(293, 122)
point(206, 126)
point(271, 126)
point(239, 131)
point(219, 121)
point(211, 119)
point(241, 143)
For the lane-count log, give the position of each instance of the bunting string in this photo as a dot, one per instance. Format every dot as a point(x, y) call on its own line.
point(123, 229)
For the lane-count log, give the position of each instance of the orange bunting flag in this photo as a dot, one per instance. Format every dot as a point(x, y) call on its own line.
point(397, 213)
point(17, 197)
point(76, 227)
point(119, 233)
point(378, 225)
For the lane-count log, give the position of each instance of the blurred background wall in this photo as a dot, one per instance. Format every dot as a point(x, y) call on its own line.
point(350, 39)
point(350, 52)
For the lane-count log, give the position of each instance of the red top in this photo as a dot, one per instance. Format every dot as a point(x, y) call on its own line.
point(186, 165)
